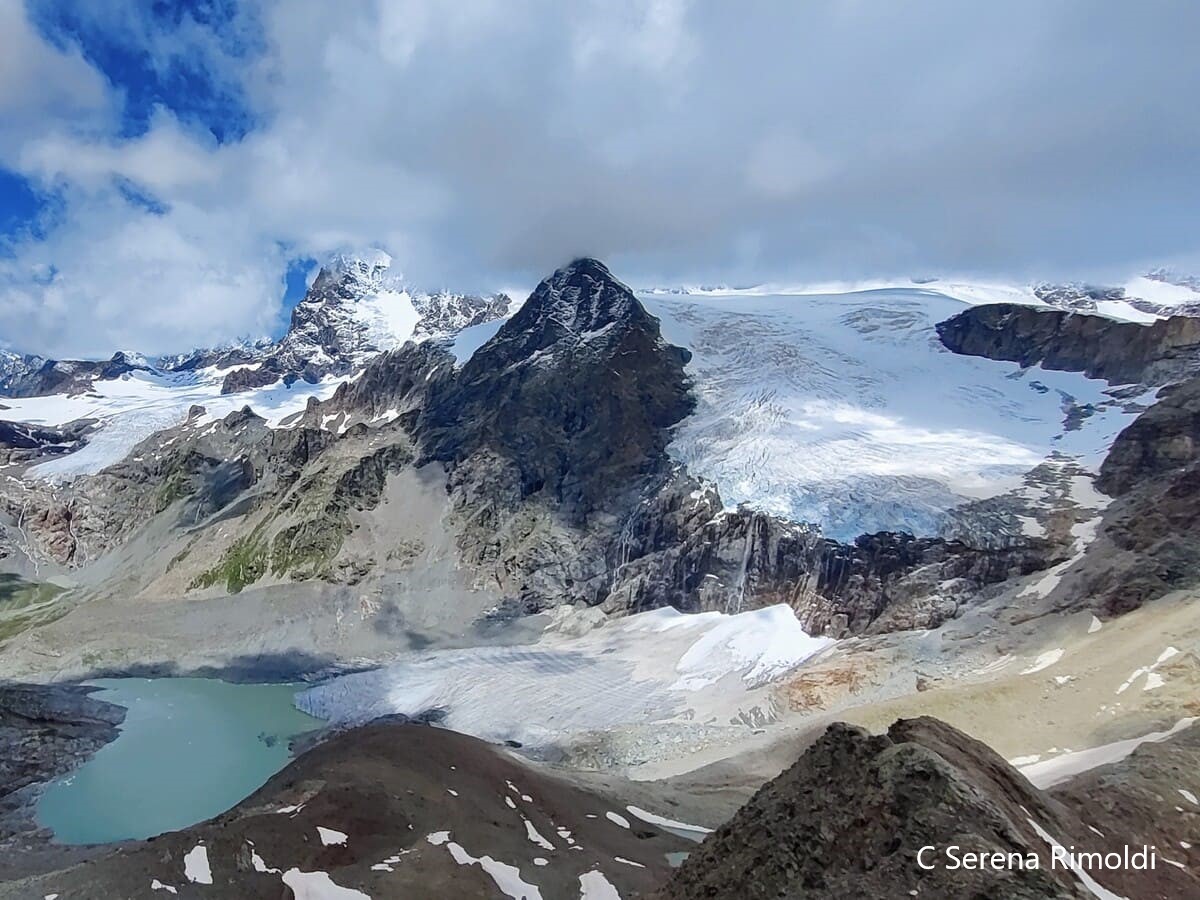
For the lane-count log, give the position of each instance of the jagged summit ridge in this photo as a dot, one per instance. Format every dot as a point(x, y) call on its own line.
point(359, 306)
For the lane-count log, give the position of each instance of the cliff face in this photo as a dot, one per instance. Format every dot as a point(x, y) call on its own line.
point(1119, 352)
point(681, 548)
point(1151, 532)
point(576, 392)
point(1162, 442)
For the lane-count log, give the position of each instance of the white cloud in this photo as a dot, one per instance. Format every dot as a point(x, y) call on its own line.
point(38, 80)
point(164, 160)
point(483, 142)
point(123, 279)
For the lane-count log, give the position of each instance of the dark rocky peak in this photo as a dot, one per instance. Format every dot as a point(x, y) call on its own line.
point(1119, 352)
point(577, 391)
point(243, 416)
point(850, 816)
point(577, 304)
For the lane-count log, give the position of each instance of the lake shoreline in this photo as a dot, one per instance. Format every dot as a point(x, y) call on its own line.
point(46, 731)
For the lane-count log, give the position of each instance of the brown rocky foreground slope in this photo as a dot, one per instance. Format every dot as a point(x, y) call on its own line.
point(400, 810)
point(389, 810)
point(849, 819)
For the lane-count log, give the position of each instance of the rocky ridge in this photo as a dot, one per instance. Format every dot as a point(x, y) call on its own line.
point(410, 810)
point(44, 732)
point(1087, 298)
point(34, 376)
point(553, 438)
point(1162, 352)
point(355, 308)
point(849, 818)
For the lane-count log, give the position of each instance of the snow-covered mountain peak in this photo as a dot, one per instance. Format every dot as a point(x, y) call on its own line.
point(367, 266)
point(351, 278)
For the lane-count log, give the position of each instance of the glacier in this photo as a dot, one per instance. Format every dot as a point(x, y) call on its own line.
point(846, 411)
point(653, 667)
point(134, 406)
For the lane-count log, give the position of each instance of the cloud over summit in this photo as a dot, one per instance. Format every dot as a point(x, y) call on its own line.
point(185, 158)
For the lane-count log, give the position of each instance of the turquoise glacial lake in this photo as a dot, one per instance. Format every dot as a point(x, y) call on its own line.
point(189, 749)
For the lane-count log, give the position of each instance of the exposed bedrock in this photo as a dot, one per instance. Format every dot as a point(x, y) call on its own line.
point(682, 549)
point(850, 817)
point(1100, 347)
point(1149, 539)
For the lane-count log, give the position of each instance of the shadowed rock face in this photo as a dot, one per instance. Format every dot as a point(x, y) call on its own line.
point(849, 818)
point(1162, 441)
point(1152, 530)
point(576, 391)
point(24, 442)
point(45, 731)
point(1119, 352)
point(683, 549)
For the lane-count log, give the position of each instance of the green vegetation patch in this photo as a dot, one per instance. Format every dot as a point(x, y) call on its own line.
point(243, 563)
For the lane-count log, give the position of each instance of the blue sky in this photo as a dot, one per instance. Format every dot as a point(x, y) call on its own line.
point(185, 83)
point(20, 203)
point(167, 168)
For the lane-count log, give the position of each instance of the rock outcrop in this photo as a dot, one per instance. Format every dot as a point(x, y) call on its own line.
point(33, 376)
point(45, 731)
point(356, 308)
point(1149, 538)
point(1162, 442)
point(1119, 352)
point(681, 548)
point(23, 442)
point(850, 817)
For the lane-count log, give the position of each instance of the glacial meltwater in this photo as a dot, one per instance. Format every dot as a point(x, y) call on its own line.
point(189, 749)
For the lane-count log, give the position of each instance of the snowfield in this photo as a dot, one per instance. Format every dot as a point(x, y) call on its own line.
point(845, 410)
point(131, 408)
point(654, 667)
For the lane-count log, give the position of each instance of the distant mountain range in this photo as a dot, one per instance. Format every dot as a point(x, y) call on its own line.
point(355, 308)
point(613, 530)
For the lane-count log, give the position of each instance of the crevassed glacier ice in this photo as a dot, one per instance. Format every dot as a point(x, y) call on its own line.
point(845, 410)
